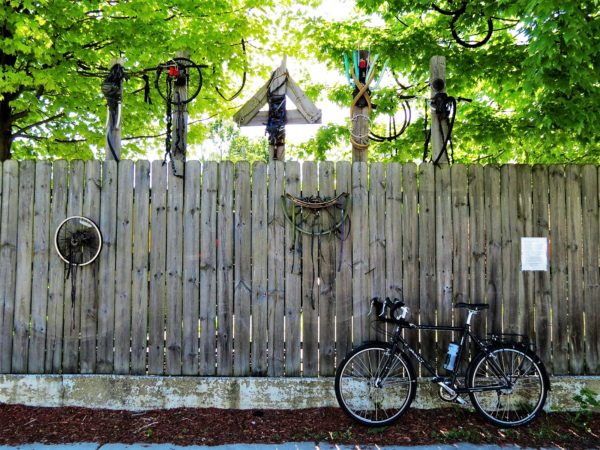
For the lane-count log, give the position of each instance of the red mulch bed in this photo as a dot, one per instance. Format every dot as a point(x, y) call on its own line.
point(23, 424)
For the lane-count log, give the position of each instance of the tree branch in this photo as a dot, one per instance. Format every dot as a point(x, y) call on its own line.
point(70, 141)
point(97, 45)
point(23, 130)
point(484, 157)
point(133, 138)
point(33, 137)
point(20, 114)
point(156, 136)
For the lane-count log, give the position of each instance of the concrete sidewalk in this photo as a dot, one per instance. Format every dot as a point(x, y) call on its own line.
point(285, 446)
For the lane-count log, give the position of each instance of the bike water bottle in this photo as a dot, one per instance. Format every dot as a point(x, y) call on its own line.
point(451, 356)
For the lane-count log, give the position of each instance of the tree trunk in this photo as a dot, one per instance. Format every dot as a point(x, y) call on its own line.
point(6, 116)
point(5, 129)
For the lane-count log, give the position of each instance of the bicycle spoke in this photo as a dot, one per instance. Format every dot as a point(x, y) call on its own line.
point(515, 401)
point(370, 392)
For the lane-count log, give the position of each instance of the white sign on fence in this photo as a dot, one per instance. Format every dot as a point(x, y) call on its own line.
point(534, 254)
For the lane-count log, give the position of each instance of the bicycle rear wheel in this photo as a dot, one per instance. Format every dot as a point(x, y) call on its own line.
point(370, 396)
point(510, 385)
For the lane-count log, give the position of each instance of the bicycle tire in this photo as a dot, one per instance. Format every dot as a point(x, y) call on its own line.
point(449, 12)
point(371, 405)
point(508, 407)
point(193, 79)
point(460, 41)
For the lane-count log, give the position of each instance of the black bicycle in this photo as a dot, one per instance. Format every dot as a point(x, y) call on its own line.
point(505, 380)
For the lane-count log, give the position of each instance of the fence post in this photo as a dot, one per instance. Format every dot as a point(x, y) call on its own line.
point(439, 128)
point(113, 91)
point(180, 116)
point(278, 88)
point(360, 122)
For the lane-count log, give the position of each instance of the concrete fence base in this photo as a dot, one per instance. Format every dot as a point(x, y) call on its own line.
point(153, 392)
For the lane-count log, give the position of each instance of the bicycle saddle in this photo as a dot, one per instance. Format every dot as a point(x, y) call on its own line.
point(472, 306)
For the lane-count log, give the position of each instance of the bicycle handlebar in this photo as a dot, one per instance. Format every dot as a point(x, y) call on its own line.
point(381, 306)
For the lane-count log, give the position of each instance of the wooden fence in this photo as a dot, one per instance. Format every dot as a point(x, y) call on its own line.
point(197, 275)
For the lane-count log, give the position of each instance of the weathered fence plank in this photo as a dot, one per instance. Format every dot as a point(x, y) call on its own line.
point(493, 226)
point(23, 267)
point(444, 246)
point(376, 234)
point(477, 244)
point(208, 268)
point(542, 289)
point(107, 259)
point(191, 267)
point(259, 270)
point(124, 263)
point(394, 217)
point(360, 254)
point(73, 295)
point(158, 259)
point(343, 278)
point(525, 301)
point(591, 239)
point(293, 280)
point(575, 273)
point(8, 260)
point(174, 269)
point(512, 284)
point(139, 282)
point(558, 270)
point(410, 245)
point(242, 293)
point(56, 269)
point(310, 274)
point(89, 273)
point(41, 249)
point(327, 274)
point(427, 246)
point(591, 282)
point(276, 267)
point(460, 259)
point(460, 233)
point(225, 270)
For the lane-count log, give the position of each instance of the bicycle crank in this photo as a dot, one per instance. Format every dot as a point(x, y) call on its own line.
point(448, 394)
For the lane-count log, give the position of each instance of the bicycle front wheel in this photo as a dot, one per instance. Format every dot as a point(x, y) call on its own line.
point(509, 385)
point(373, 386)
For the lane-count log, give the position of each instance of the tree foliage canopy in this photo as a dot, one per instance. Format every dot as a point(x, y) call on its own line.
point(535, 83)
point(54, 53)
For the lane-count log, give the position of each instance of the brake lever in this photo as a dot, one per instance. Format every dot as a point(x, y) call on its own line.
point(371, 308)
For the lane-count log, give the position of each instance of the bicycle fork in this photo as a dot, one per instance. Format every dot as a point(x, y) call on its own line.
point(387, 366)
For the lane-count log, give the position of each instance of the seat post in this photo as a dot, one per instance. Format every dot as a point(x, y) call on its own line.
point(472, 313)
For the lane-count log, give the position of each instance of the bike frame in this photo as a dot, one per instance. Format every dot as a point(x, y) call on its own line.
point(464, 331)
